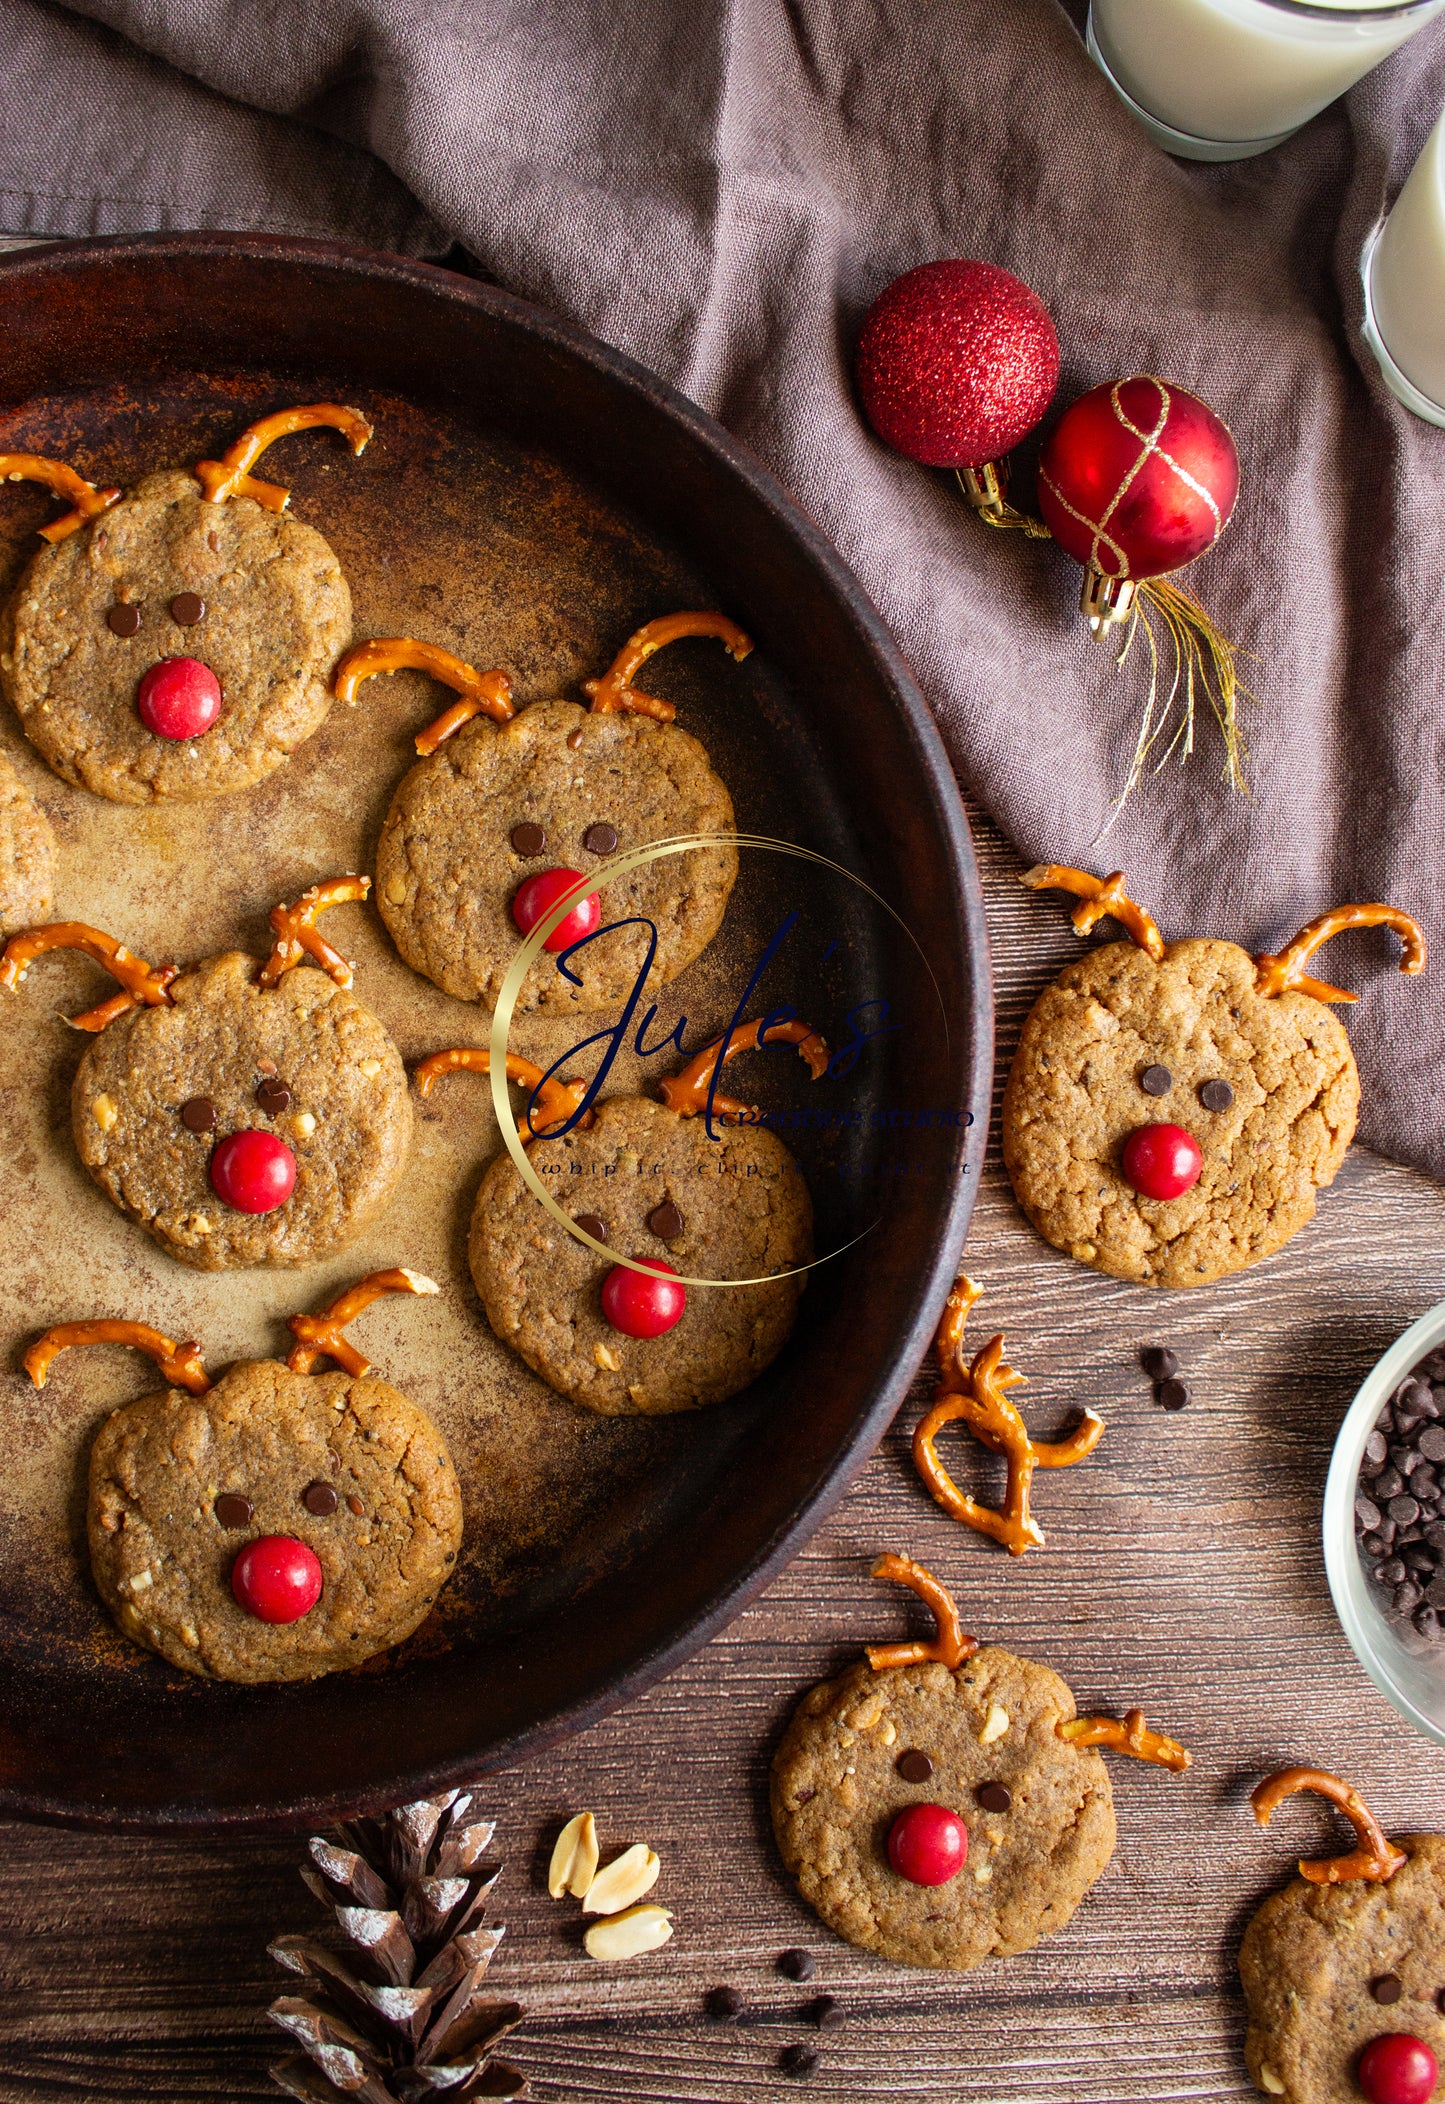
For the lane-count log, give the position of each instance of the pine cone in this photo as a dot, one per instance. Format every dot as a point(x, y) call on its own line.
point(392, 2010)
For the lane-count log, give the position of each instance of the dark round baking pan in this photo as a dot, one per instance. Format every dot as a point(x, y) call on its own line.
point(506, 427)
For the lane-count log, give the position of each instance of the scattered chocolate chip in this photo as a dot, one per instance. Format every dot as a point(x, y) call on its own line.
point(1388, 1484)
point(1173, 1395)
point(198, 1114)
point(123, 620)
point(600, 839)
point(1426, 1620)
point(232, 1510)
point(1418, 1558)
point(1367, 1513)
point(1374, 1546)
point(803, 1797)
point(1391, 1571)
point(528, 839)
point(320, 1499)
point(665, 1221)
point(914, 1766)
point(1159, 1362)
point(1388, 1989)
point(994, 1797)
point(1376, 1451)
point(1403, 1511)
point(1216, 1095)
point(273, 1097)
point(725, 2003)
point(187, 608)
point(826, 2012)
point(354, 1504)
point(796, 1964)
point(1440, 2000)
point(1432, 1442)
point(1406, 1598)
point(1156, 1081)
point(797, 2060)
point(574, 740)
point(592, 1224)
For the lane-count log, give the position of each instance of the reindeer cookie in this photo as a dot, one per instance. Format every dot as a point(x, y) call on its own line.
point(506, 812)
point(942, 1804)
point(1344, 1969)
point(240, 1112)
point(642, 1178)
point(1172, 1109)
point(274, 1524)
point(27, 855)
point(176, 642)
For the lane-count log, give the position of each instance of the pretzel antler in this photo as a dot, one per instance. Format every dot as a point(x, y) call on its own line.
point(481, 693)
point(1376, 1858)
point(297, 934)
point(950, 1647)
point(142, 983)
point(1132, 1736)
point(1100, 896)
point(686, 1091)
point(319, 1336)
point(1276, 974)
point(86, 501)
point(180, 1363)
point(977, 1396)
point(615, 689)
point(558, 1099)
point(231, 476)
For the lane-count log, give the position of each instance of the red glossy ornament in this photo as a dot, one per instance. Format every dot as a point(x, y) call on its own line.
point(640, 1306)
point(1397, 2069)
point(928, 1844)
point(1137, 478)
point(540, 893)
point(178, 698)
point(956, 363)
point(253, 1172)
point(277, 1578)
point(1162, 1161)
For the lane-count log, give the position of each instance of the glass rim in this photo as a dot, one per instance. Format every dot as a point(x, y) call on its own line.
point(1313, 10)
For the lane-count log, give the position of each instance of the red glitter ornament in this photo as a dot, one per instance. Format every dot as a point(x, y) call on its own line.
point(956, 363)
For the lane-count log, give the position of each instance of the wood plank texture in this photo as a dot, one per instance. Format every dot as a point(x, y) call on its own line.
point(1182, 1571)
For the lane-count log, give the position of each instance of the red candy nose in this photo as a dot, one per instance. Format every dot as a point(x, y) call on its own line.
point(540, 893)
point(1162, 1161)
point(277, 1579)
point(1397, 2069)
point(253, 1172)
point(928, 1844)
point(179, 698)
point(640, 1306)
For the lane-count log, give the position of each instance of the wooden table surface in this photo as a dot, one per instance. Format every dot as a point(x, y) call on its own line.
point(1182, 1571)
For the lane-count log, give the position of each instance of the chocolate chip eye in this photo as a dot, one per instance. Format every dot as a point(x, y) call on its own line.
point(1216, 1095)
point(994, 1797)
point(232, 1510)
point(273, 1097)
point(528, 839)
point(320, 1500)
point(1388, 1989)
point(198, 1114)
point(187, 608)
point(592, 1224)
point(914, 1766)
point(600, 839)
point(123, 620)
point(1156, 1081)
point(665, 1221)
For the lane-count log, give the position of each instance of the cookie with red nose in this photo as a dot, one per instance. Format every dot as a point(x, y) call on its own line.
point(942, 1803)
point(241, 1112)
point(275, 1523)
point(508, 810)
point(1173, 1108)
point(27, 855)
point(177, 642)
point(1344, 1968)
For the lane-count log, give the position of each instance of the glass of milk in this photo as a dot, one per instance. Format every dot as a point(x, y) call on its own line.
point(1403, 267)
point(1217, 80)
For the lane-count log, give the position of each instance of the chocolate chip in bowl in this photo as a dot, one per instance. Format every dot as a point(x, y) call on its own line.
point(1384, 1524)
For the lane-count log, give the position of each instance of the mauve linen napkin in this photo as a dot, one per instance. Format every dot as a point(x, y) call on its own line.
point(722, 187)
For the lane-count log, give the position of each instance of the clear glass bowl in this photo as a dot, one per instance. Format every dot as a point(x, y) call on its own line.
point(1407, 1669)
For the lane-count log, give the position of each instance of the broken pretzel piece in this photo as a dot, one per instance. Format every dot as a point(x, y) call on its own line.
point(1375, 1859)
point(950, 1647)
point(1133, 1736)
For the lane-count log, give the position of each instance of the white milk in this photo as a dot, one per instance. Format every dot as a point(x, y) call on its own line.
point(1246, 70)
point(1407, 273)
